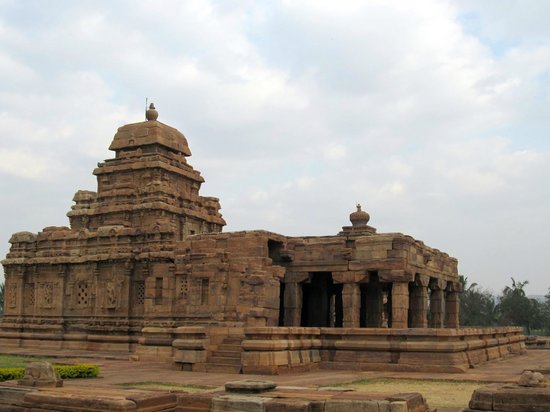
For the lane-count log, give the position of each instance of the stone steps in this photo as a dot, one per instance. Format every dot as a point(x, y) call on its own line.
point(219, 368)
point(225, 360)
point(227, 357)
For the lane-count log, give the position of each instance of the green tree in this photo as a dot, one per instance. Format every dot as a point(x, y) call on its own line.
point(546, 315)
point(477, 306)
point(517, 309)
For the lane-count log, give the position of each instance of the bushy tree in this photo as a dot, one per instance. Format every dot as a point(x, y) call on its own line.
point(477, 306)
point(516, 309)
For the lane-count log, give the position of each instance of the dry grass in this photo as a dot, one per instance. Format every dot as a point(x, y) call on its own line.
point(17, 361)
point(438, 393)
point(167, 386)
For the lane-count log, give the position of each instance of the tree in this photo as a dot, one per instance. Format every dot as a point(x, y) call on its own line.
point(477, 306)
point(517, 309)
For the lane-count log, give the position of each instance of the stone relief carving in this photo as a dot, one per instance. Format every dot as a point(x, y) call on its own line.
point(11, 296)
point(113, 293)
point(47, 295)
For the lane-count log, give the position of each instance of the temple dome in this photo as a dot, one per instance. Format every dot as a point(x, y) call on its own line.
point(359, 218)
point(150, 132)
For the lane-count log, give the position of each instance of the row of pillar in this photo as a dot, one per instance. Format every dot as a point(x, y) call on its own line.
point(410, 303)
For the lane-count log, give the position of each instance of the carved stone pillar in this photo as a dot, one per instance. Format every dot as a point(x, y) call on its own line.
point(351, 302)
point(399, 304)
point(437, 303)
point(293, 304)
point(452, 305)
point(419, 302)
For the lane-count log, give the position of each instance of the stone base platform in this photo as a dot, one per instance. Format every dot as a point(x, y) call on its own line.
point(510, 398)
point(279, 350)
point(15, 399)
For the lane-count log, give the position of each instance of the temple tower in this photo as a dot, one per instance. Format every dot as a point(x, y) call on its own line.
point(148, 185)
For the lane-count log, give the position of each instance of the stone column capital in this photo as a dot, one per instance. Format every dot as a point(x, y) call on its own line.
point(454, 287)
point(438, 284)
point(422, 280)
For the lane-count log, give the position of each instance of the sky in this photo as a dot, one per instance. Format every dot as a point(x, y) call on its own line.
point(434, 115)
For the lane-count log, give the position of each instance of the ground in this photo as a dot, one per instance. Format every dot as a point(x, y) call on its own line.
point(118, 371)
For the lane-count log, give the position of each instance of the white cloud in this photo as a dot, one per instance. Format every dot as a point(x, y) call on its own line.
point(296, 110)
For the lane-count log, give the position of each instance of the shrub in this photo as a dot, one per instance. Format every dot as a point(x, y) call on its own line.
point(8, 374)
point(65, 372)
point(77, 371)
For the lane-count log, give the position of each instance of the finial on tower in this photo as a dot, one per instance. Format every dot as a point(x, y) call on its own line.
point(359, 218)
point(151, 113)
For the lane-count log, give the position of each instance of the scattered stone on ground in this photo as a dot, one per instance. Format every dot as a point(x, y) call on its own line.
point(41, 375)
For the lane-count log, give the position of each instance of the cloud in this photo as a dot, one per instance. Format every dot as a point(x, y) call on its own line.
point(433, 115)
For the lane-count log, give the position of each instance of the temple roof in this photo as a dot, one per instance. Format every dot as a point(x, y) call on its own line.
point(150, 132)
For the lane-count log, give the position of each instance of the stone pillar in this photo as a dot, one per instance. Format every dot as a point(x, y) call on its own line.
point(400, 305)
point(351, 302)
point(419, 302)
point(437, 303)
point(452, 305)
point(293, 304)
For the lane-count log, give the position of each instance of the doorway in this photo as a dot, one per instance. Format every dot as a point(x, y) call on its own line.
point(322, 301)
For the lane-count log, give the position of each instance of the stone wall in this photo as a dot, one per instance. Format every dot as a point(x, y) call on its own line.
point(278, 350)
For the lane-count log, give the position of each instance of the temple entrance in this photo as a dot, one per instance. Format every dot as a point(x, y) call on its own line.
point(322, 301)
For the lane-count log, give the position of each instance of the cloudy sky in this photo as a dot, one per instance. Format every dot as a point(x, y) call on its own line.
point(435, 115)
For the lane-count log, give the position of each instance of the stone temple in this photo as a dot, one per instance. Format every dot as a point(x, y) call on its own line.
point(144, 268)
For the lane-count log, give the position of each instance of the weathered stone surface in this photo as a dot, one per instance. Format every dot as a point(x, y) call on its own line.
point(511, 398)
point(530, 378)
point(250, 386)
point(42, 375)
point(241, 403)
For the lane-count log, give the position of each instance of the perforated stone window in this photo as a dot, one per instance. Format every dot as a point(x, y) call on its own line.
point(140, 293)
point(183, 286)
point(29, 295)
point(82, 295)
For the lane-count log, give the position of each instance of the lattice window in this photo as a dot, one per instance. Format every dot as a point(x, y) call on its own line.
point(205, 286)
point(183, 286)
point(82, 294)
point(140, 293)
point(29, 295)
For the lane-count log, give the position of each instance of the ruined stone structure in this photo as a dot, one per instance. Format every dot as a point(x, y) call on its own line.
point(144, 268)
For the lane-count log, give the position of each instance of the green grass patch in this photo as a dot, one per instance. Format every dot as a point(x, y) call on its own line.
point(18, 361)
point(168, 386)
point(439, 393)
